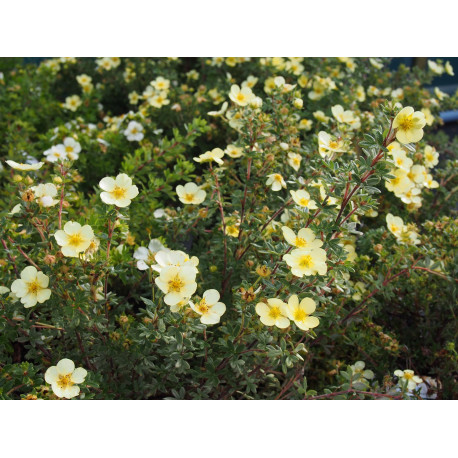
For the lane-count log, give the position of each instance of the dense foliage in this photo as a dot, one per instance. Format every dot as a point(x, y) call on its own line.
point(226, 228)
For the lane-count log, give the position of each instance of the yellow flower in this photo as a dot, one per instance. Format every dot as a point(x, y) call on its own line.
point(409, 125)
point(274, 313)
point(177, 283)
point(209, 309)
point(32, 287)
point(74, 239)
point(241, 97)
point(328, 145)
point(214, 155)
point(400, 183)
point(302, 198)
point(428, 116)
point(118, 191)
point(158, 100)
point(232, 230)
point(301, 312)
point(190, 193)
point(24, 167)
point(233, 151)
point(294, 160)
point(63, 378)
point(276, 181)
point(408, 379)
point(307, 261)
point(401, 160)
point(160, 84)
point(44, 194)
point(395, 224)
point(305, 238)
point(72, 102)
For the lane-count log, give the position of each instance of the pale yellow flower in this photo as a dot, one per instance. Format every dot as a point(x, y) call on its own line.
point(118, 191)
point(209, 309)
point(64, 378)
point(276, 181)
point(32, 287)
point(302, 198)
point(74, 238)
point(305, 238)
point(274, 313)
point(409, 125)
point(214, 155)
point(307, 261)
point(301, 312)
point(190, 193)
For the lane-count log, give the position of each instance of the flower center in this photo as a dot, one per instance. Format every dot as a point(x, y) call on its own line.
point(176, 284)
point(274, 313)
point(306, 261)
point(406, 123)
point(65, 381)
point(203, 307)
point(69, 149)
point(394, 228)
point(300, 243)
point(33, 287)
point(333, 144)
point(299, 315)
point(407, 376)
point(189, 197)
point(119, 193)
point(75, 240)
point(304, 202)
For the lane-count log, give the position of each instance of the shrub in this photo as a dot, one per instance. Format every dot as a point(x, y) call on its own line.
point(226, 228)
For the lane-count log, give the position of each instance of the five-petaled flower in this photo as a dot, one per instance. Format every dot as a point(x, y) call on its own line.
point(190, 193)
point(119, 191)
point(409, 125)
point(209, 309)
point(64, 378)
point(274, 313)
point(74, 238)
point(32, 287)
point(300, 312)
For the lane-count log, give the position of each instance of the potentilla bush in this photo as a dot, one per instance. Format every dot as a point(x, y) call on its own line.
point(226, 228)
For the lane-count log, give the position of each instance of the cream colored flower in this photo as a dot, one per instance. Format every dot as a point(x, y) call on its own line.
point(327, 145)
point(45, 193)
point(161, 84)
point(274, 313)
point(72, 102)
point(401, 160)
point(177, 283)
point(301, 312)
point(24, 167)
point(294, 160)
point(175, 258)
point(428, 116)
point(118, 191)
point(302, 198)
point(56, 153)
point(214, 155)
point(409, 125)
point(32, 287)
point(395, 224)
point(431, 156)
point(233, 151)
point(449, 69)
point(159, 99)
point(346, 117)
point(190, 193)
point(64, 378)
point(408, 379)
point(307, 261)
point(146, 257)
point(436, 68)
point(400, 184)
point(376, 63)
point(72, 148)
point(305, 238)
point(209, 309)
point(74, 238)
point(276, 181)
point(134, 131)
point(417, 173)
point(358, 368)
point(429, 182)
point(241, 97)
point(250, 82)
point(221, 111)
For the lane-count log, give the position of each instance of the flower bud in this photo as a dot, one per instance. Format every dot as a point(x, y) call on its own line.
point(298, 103)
